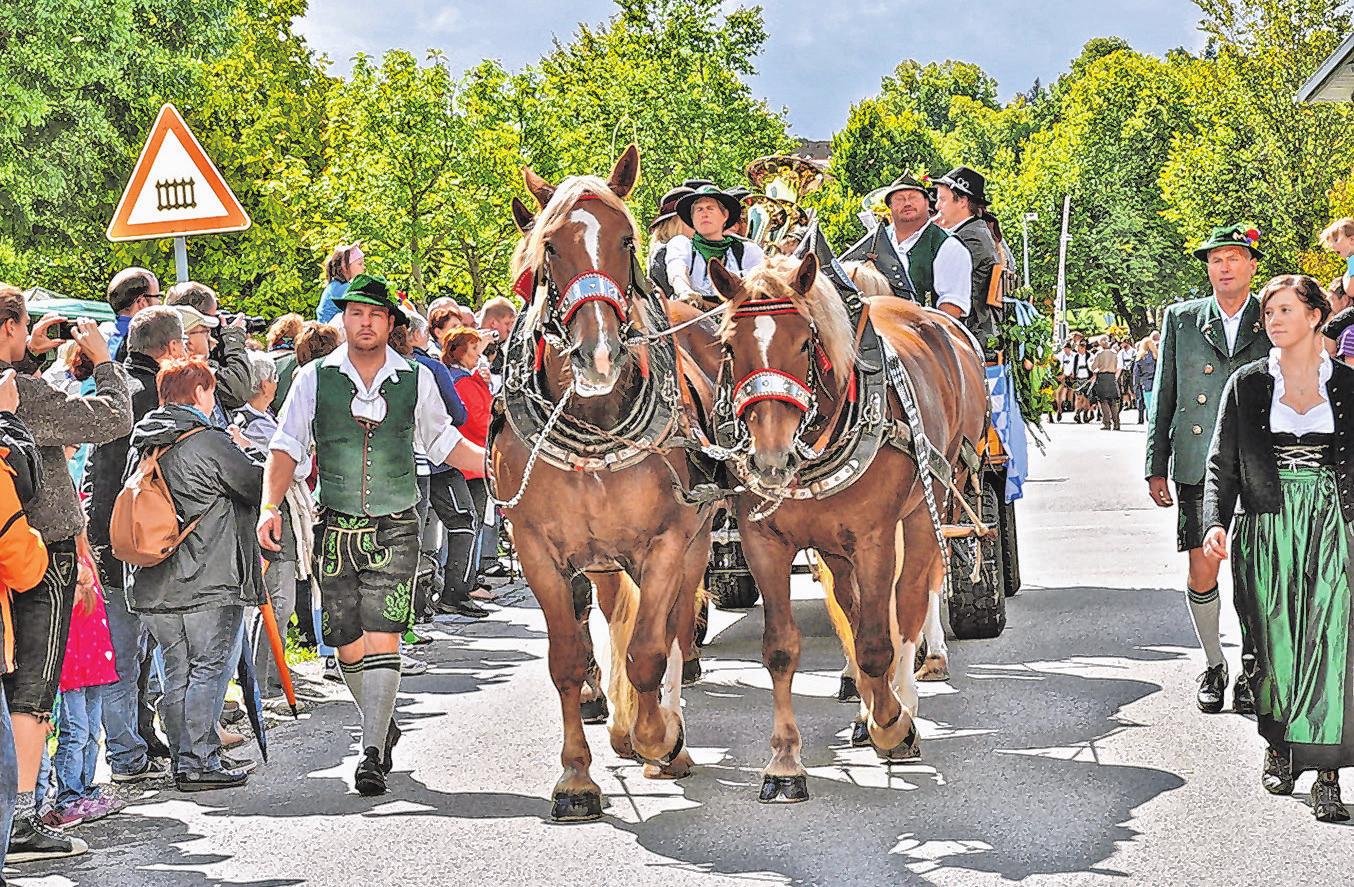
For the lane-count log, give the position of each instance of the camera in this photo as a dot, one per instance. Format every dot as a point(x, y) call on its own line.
point(253, 324)
point(65, 330)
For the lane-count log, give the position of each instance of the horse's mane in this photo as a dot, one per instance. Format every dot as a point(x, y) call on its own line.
point(821, 305)
point(530, 250)
point(868, 278)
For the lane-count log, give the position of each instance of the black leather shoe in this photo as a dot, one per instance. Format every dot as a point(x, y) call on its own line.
point(1327, 805)
point(370, 779)
point(1243, 702)
point(1212, 688)
point(393, 734)
point(209, 780)
point(464, 608)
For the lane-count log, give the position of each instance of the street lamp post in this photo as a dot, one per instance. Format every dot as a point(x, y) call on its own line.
point(1025, 239)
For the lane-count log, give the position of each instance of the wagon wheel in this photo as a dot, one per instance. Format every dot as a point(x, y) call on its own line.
point(1010, 550)
point(978, 609)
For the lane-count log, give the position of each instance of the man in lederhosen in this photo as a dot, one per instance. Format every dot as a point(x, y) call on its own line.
point(362, 408)
point(1203, 341)
point(961, 199)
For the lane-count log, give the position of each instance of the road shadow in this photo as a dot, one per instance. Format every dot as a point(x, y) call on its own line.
point(1011, 781)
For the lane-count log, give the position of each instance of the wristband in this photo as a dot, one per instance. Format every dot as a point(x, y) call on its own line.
point(268, 506)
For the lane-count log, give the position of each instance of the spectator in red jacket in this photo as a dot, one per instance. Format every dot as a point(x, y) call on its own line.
point(461, 350)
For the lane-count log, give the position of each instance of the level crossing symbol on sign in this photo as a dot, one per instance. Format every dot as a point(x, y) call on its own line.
point(175, 191)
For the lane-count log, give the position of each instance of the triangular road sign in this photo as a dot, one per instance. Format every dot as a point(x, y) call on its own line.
point(175, 190)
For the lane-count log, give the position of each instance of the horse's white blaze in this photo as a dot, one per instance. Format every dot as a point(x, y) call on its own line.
point(601, 354)
point(592, 229)
point(764, 330)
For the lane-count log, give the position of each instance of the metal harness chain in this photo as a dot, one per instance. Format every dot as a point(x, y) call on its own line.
point(535, 452)
point(920, 443)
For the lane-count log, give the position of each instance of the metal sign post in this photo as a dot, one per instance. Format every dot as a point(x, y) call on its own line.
point(1060, 308)
point(181, 259)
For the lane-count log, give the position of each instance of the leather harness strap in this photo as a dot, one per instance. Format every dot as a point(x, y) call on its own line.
point(847, 396)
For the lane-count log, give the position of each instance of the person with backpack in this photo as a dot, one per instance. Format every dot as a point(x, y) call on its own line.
point(134, 750)
point(191, 583)
point(710, 212)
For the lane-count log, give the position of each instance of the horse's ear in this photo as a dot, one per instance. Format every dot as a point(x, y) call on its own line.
point(625, 173)
point(806, 275)
point(522, 216)
point(539, 187)
point(726, 283)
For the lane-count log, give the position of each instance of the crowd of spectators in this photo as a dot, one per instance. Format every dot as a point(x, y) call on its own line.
point(110, 665)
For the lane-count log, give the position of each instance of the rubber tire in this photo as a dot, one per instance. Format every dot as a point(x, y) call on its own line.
point(732, 591)
point(1010, 550)
point(977, 610)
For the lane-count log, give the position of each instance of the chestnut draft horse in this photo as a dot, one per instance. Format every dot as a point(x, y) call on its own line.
point(790, 349)
point(592, 491)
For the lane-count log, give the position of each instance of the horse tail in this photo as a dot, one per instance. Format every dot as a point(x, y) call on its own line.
point(841, 623)
point(621, 623)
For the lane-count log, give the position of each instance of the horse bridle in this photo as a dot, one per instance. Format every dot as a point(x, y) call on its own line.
point(770, 384)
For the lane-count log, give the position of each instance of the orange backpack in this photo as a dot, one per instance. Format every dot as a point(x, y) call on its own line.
point(144, 529)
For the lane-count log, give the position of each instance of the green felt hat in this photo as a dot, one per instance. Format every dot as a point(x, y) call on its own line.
point(372, 289)
point(1247, 236)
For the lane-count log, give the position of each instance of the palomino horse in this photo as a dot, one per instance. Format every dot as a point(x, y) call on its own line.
point(936, 666)
point(580, 350)
point(790, 344)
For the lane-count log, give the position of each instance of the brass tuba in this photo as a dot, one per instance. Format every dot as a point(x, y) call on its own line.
point(784, 181)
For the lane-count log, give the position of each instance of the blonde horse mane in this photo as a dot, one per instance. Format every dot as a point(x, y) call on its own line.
point(530, 250)
point(821, 305)
point(867, 278)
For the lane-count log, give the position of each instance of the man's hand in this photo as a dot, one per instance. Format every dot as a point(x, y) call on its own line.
point(237, 322)
point(9, 392)
point(38, 340)
point(269, 529)
point(91, 341)
point(952, 309)
point(467, 456)
point(84, 588)
point(1215, 544)
point(1161, 493)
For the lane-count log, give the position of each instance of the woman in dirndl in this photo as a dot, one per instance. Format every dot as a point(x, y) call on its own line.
point(1282, 446)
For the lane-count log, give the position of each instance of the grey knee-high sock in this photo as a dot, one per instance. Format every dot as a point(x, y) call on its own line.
point(1205, 609)
point(380, 684)
point(352, 676)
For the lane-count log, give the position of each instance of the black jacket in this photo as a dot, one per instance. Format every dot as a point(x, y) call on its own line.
point(1241, 461)
point(22, 456)
point(212, 479)
point(108, 466)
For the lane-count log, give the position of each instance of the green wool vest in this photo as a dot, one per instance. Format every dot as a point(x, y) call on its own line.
point(365, 469)
point(921, 260)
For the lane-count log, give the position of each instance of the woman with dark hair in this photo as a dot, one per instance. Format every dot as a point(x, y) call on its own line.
point(343, 264)
point(1282, 446)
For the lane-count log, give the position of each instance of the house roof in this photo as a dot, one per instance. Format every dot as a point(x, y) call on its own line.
point(1334, 80)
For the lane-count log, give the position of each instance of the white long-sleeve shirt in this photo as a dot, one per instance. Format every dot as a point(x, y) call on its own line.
point(686, 267)
point(433, 431)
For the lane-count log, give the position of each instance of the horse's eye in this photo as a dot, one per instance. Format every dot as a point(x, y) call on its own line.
point(549, 248)
point(628, 242)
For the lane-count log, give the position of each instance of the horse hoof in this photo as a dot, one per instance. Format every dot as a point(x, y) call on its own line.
point(784, 789)
point(582, 807)
point(860, 734)
point(594, 711)
point(680, 768)
point(934, 668)
point(847, 691)
point(691, 671)
point(907, 750)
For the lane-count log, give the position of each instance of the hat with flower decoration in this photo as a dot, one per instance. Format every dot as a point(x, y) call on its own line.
point(372, 289)
point(908, 182)
point(1246, 236)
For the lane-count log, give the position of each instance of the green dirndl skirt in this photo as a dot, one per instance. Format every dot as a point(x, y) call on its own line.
point(1293, 576)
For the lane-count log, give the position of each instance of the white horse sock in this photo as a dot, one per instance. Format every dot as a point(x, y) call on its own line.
point(1205, 609)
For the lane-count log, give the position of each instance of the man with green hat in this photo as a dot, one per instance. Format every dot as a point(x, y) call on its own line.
point(937, 264)
point(362, 409)
point(1203, 341)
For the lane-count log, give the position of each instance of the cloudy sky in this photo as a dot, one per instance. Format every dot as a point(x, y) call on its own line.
point(820, 56)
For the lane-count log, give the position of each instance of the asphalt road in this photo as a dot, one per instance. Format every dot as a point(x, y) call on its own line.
point(1068, 751)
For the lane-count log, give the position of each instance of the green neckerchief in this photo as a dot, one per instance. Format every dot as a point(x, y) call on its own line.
point(711, 249)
